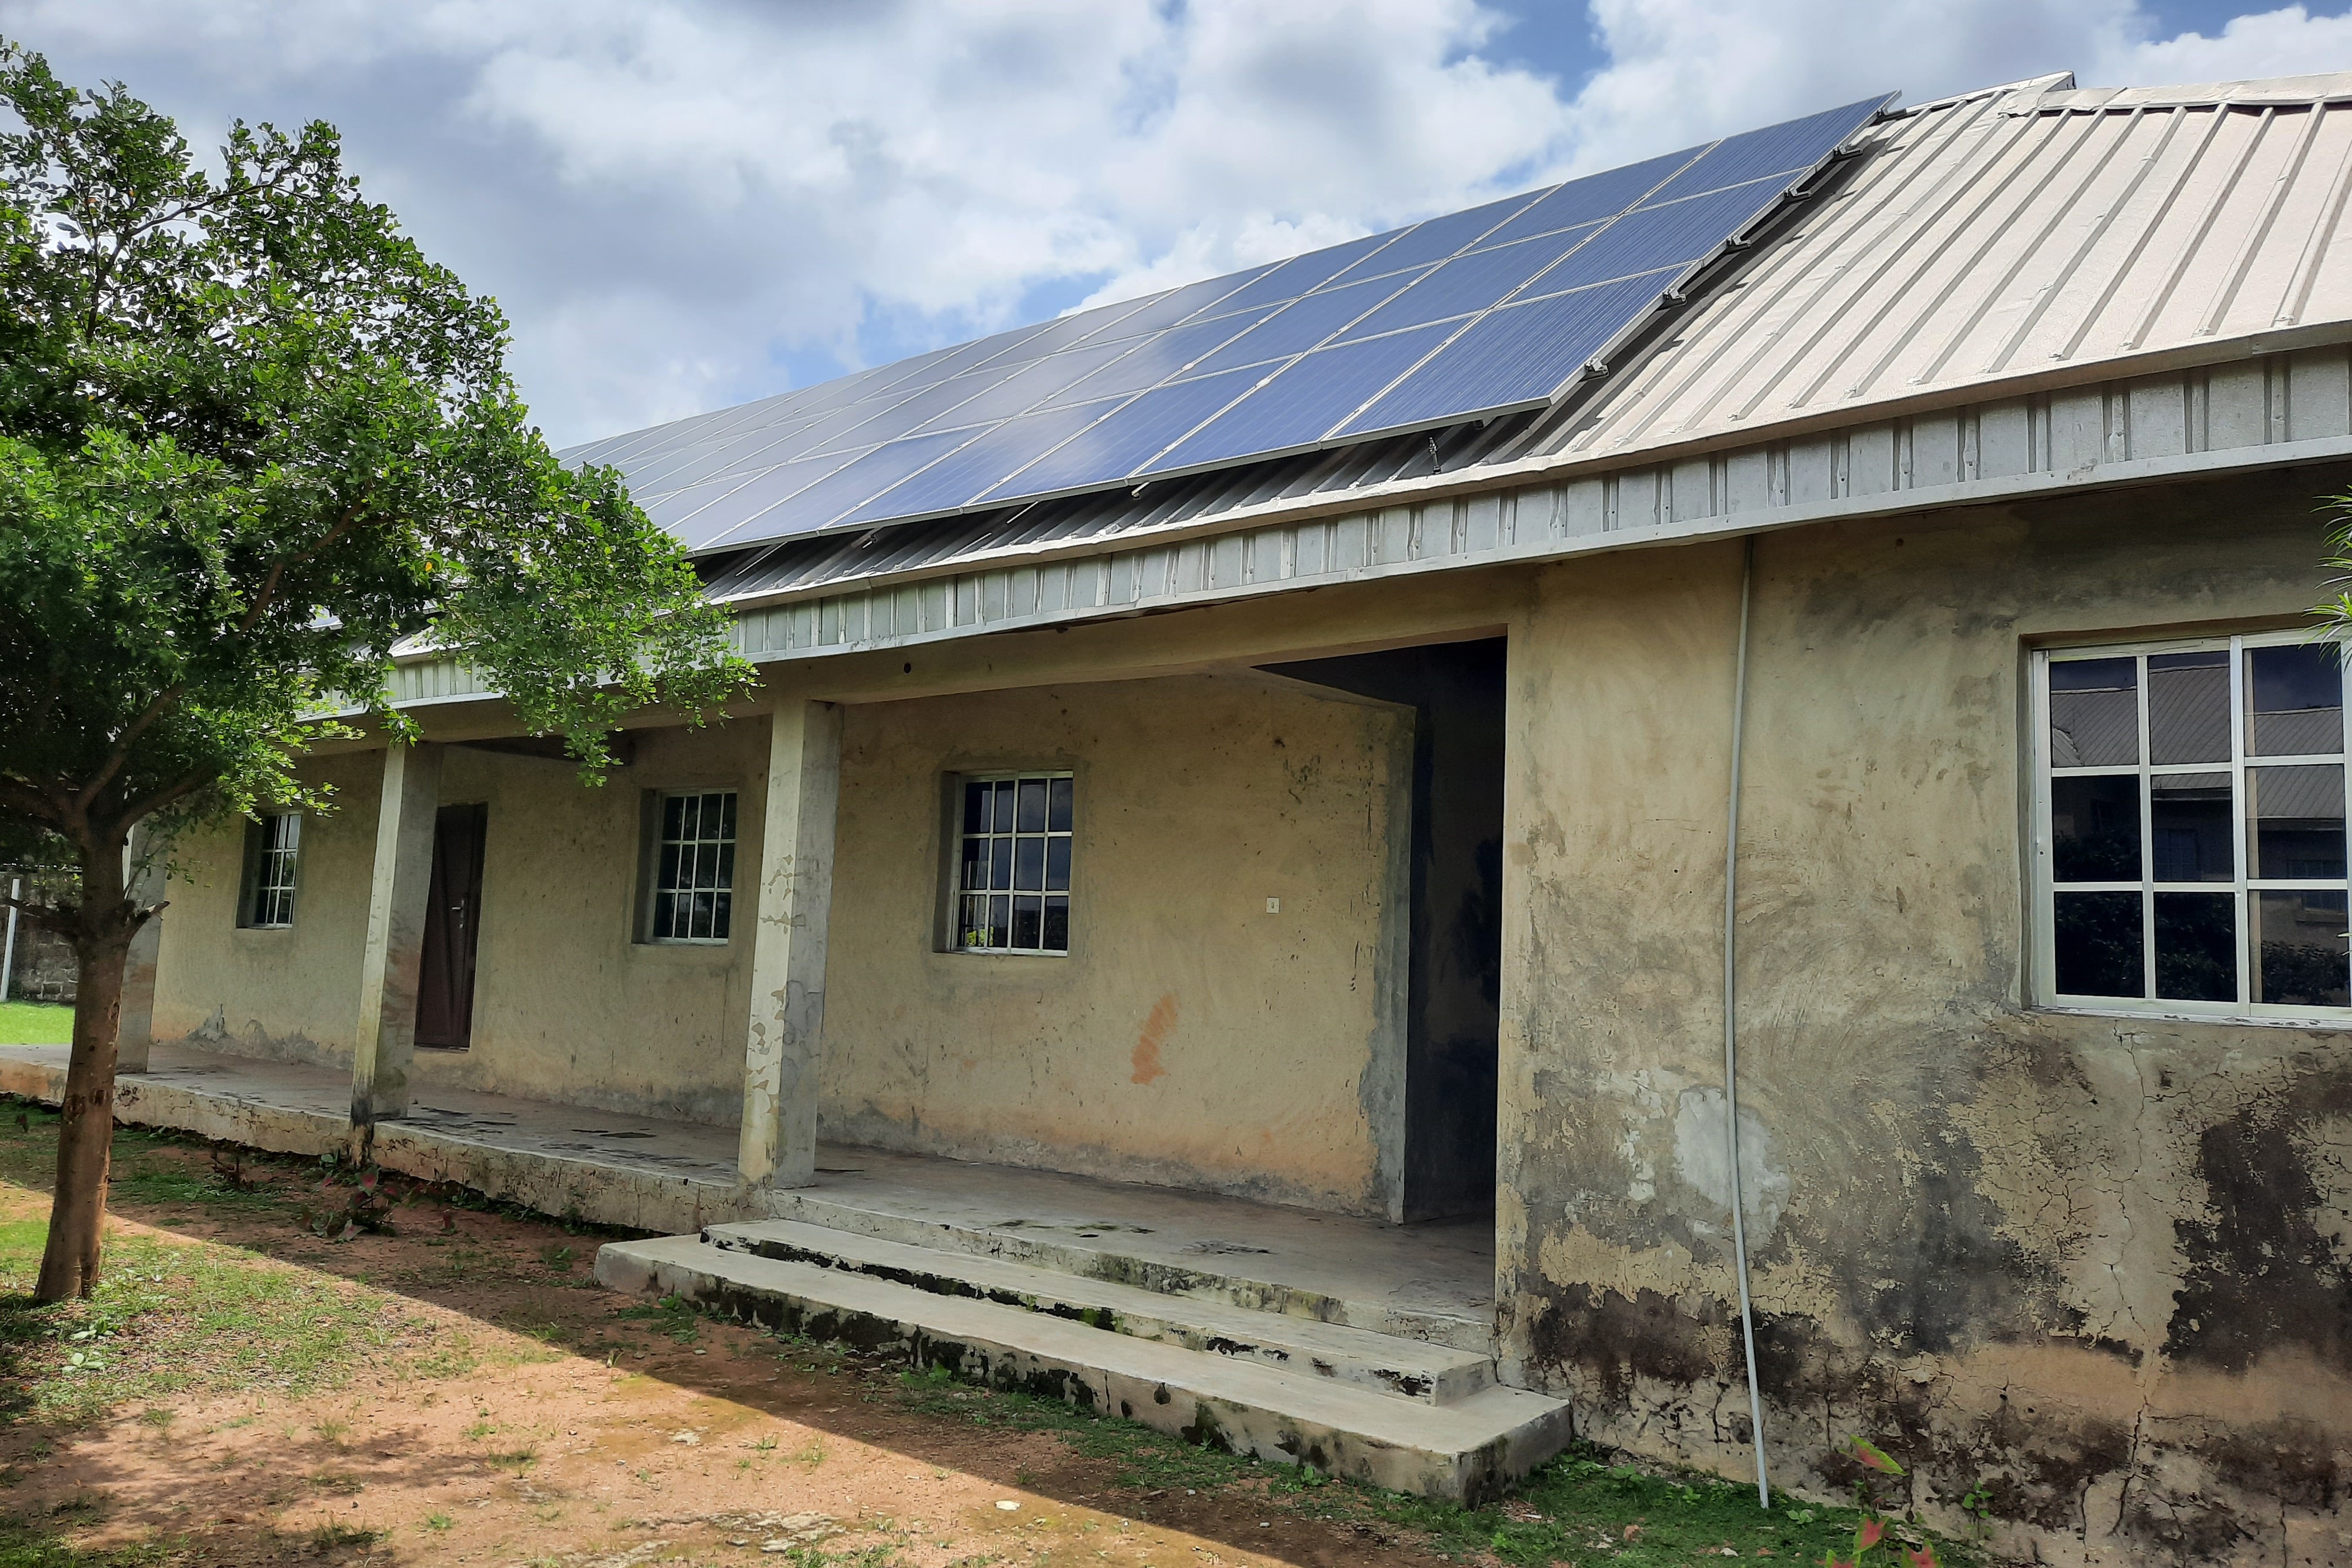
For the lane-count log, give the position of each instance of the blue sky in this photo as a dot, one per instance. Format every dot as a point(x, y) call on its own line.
point(685, 204)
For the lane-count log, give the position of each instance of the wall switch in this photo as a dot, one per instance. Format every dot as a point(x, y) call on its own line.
point(1274, 906)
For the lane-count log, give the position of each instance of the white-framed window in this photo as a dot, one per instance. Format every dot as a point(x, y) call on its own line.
point(1013, 863)
point(692, 896)
point(273, 844)
point(2189, 828)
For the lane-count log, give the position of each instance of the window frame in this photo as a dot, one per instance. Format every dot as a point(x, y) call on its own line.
point(649, 932)
point(2245, 882)
point(261, 858)
point(953, 928)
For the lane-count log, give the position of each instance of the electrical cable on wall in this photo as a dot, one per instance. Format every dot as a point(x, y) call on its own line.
point(1731, 1018)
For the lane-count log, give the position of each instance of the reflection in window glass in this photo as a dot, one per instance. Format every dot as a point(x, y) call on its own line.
point(2210, 874)
point(2295, 700)
point(2189, 706)
point(2094, 828)
point(2300, 949)
point(1013, 876)
point(2298, 820)
point(2196, 946)
point(2192, 824)
point(2093, 713)
point(2098, 942)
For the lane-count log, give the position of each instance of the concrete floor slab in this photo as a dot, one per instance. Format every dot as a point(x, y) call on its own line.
point(1432, 1281)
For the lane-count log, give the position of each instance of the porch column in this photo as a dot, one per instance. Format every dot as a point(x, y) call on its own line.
point(794, 898)
point(134, 1035)
point(386, 1038)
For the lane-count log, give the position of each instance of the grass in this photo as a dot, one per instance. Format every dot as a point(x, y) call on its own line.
point(35, 1023)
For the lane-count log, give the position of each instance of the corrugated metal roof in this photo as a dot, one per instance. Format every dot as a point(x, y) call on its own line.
point(2026, 236)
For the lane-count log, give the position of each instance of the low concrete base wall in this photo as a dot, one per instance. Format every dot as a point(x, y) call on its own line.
point(574, 1188)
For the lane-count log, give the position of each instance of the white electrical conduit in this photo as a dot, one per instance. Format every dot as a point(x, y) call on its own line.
point(1731, 1018)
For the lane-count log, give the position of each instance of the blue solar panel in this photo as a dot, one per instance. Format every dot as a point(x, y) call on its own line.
point(967, 471)
point(754, 501)
point(1789, 150)
point(1470, 283)
point(1515, 357)
point(1295, 408)
point(1154, 360)
point(1462, 316)
point(1123, 441)
point(1304, 323)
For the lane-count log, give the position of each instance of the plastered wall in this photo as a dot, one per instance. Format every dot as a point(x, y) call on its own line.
point(567, 1004)
point(2099, 1269)
point(1190, 1037)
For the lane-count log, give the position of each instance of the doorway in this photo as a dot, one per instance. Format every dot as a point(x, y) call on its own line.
point(1453, 1008)
point(452, 918)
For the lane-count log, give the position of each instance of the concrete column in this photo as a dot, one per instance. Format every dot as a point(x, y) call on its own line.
point(794, 898)
point(386, 1038)
point(135, 1035)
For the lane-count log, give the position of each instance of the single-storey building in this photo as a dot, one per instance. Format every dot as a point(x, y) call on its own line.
point(1834, 804)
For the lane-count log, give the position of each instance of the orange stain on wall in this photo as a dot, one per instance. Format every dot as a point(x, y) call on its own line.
point(1156, 1031)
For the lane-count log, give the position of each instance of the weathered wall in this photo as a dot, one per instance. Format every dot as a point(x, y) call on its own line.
point(1190, 1037)
point(2098, 1268)
point(567, 1004)
point(287, 995)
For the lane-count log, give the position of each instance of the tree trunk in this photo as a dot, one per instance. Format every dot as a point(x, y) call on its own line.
point(85, 1135)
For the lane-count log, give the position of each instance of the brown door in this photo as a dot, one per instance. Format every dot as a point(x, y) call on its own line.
point(453, 913)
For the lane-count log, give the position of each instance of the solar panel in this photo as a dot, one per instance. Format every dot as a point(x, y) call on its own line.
point(1463, 317)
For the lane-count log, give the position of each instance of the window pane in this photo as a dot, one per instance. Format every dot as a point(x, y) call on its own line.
point(2094, 828)
point(1000, 920)
point(2189, 706)
point(727, 815)
point(975, 808)
point(2097, 935)
point(2093, 713)
point(974, 923)
point(1057, 816)
point(727, 864)
point(975, 864)
point(2300, 949)
point(722, 913)
point(1000, 862)
point(673, 816)
point(1057, 925)
point(1002, 817)
point(2295, 701)
point(665, 915)
point(667, 877)
point(1057, 865)
point(1029, 865)
point(1033, 806)
point(2196, 946)
point(2194, 827)
point(1027, 920)
point(2298, 820)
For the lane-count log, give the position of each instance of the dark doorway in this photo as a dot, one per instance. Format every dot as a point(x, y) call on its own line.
point(1453, 1008)
point(453, 918)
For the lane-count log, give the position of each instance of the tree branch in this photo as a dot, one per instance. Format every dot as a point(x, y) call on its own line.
point(268, 589)
point(156, 708)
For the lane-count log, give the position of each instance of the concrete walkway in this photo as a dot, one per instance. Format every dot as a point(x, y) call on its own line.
point(678, 1176)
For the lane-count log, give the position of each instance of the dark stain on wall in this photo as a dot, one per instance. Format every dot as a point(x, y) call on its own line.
point(2262, 1275)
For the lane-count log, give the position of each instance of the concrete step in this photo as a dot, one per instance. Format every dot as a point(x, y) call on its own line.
point(1468, 1449)
point(1386, 1363)
point(1127, 1255)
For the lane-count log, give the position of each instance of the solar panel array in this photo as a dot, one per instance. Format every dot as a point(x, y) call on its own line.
point(1463, 317)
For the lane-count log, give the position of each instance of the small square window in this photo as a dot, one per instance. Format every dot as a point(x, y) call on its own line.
point(1013, 864)
point(272, 847)
point(693, 883)
point(2190, 829)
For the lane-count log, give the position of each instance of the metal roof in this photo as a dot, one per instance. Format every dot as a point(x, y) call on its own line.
point(2026, 236)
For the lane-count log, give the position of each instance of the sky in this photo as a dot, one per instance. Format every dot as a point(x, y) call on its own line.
point(683, 204)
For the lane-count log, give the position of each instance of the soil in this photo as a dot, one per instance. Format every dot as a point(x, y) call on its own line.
point(513, 1412)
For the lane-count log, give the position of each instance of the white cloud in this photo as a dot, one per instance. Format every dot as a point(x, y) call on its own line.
point(681, 202)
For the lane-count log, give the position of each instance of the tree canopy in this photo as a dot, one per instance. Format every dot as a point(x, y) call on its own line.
point(252, 444)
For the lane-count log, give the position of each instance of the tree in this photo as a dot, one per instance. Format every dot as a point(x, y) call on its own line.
point(251, 440)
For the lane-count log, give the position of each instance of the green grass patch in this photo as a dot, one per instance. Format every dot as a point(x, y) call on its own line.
point(35, 1023)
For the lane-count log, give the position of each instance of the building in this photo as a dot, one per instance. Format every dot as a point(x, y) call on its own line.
point(1296, 886)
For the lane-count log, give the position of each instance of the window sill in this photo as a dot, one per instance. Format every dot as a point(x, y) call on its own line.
point(2226, 1020)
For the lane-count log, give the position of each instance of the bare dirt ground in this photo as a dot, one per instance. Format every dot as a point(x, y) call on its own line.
point(244, 1390)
